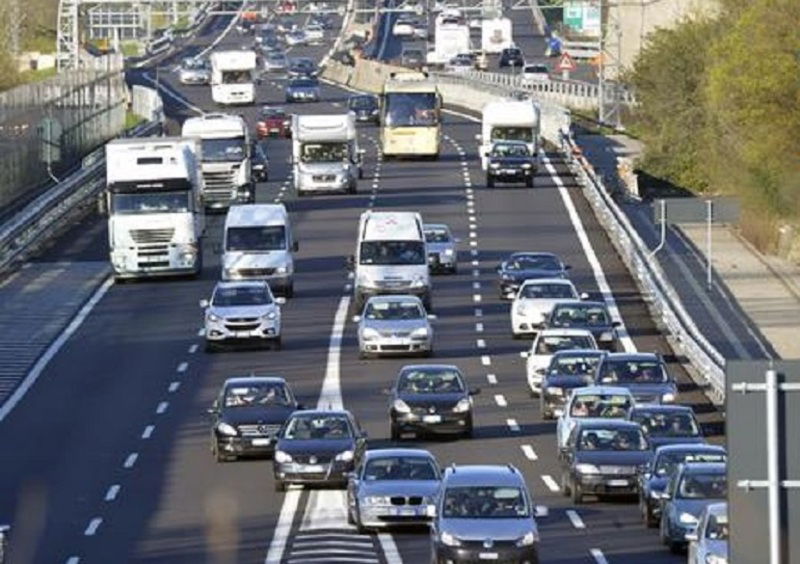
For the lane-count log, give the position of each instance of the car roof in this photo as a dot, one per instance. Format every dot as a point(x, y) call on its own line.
point(561, 281)
point(563, 333)
point(342, 412)
point(225, 284)
point(602, 391)
point(693, 447)
point(594, 423)
point(245, 380)
point(624, 356)
point(580, 352)
point(703, 467)
point(533, 253)
point(381, 452)
point(576, 303)
point(393, 298)
point(431, 365)
point(720, 508)
point(483, 474)
point(661, 408)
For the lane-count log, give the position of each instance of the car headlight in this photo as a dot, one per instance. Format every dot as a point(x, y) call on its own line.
point(282, 457)
point(520, 310)
point(369, 334)
point(448, 540)
point(526, 166)
point(226, 429)
point(529, 538)
point(716, 559)
point(655, 494)
point(282, 270)
point(463, 406)
point(494, 165)
point(555, 391)
point(586, 469)
point(213, 317)
point(508, 277)
point(448, 252)
point(687, 519)
point(345, 456)
point(418, 282)
point(230, 272)
point(669, 397)
point(377, 500)
point(421, 333)
point(606, 336)
point(400, 406)
point(271, 315)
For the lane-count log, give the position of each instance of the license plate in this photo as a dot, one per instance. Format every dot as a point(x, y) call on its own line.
point(312, 468)
point(509, 171)
point(242, 334)
point(488, 555)
point(617, 483)
point(432, 418)
point(260, 442)
point(405, 512)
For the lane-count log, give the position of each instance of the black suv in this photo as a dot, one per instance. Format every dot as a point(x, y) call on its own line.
point(510, 161)
point(511, 57)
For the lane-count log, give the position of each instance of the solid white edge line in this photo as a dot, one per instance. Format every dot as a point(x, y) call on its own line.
point(53, 349)
point(551, 484)
point(598, 556)
point(575, 519)
point(284, 526)
point(390, 551)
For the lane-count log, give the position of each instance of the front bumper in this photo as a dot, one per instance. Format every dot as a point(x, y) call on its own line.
point(328, 473)
point(241, 446)
point(395, 346)
point(393, 515)
point(156, 262)
point(272, 131)
point(339, 183)
point(298, 97)
point(505, 554)
point(602, 484)
point(510, 174)
point(264, 330)
point(434, 423)
point(676, 532)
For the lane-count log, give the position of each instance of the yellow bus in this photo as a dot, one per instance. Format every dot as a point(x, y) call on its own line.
point(411, 116)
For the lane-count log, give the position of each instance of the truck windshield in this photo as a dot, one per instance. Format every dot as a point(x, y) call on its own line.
point(392, 252)
point(325, 152)
point(223, 150)
point(411, 109)
point(512, 134)
point(262, 238)
point(237, 77)
point(150, 202)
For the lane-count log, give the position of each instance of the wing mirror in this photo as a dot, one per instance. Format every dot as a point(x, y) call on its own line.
point(431, 316)
point(204, 304)
point(616, 324)
point(511, 295)
point(350, 262)
point(692, 537)
point(524, 354)
point(478, 137)
point(280, 300)
point(584, 296)
point(474, 391)
point(356, 319)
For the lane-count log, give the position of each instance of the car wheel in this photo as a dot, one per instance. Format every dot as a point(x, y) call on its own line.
point(280, 486)
point(547, 415)
point(577, 493)
point(489, 182)
point(662, 532)
point(219, 456)
point(454, 270)
point(350, 519)
point(565, 491)
point(360, 529)
point(211, 347)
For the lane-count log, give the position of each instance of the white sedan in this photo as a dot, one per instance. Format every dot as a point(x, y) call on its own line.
point(535, 300)
point(403, 29)
point(315, 34)
point(592, 402)
point(547, 343)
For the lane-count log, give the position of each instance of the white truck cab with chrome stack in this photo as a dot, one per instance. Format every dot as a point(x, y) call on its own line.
point(232, 80)
point(510, 120)
point(153, 188)
point(226, 162)
point(325, 153)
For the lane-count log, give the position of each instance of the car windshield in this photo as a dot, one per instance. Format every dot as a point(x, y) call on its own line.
point(668, 462)
point(536, 69)
point(578, 365)
point(194, 64)
point(392, 252)
point(717, 527)
point(277, 58)
point(268, 238)
point(579, 316)
point(150, 202)
point(612, 439)
point(223, 150)
point(505, 133)
point(533, 262)
point(400, 468)
point(696, 485)
point(606, 406)
point(436, 235)
point(633, 372)
point(660, 424)
point(482, 502)
point(430, 381)
point(237, 77)
point(273, 113)
point(362, 103)
point(241, 296)
point(325, 152)
point(318, 427)
point(255, 395)
point(394, 310)
point(549, 344)
point(502, 150)
point(539, 291)
point(411, 109)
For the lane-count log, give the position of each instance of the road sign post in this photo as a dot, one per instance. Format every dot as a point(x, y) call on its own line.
point(566, 64)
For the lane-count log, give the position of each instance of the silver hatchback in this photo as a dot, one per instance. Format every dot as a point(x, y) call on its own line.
point(442, 248)
point(394, 325)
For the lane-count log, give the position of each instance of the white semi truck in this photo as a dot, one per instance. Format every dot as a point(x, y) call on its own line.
point(449, 39)
point(232, 77)
point(325, 153)
point(496, 35)
point(510, 120)
point(153, 188)
point(226, 162)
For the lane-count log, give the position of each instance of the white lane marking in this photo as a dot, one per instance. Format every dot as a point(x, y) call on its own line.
point(112, 492)
point(541, 511)
point(476, 285)
point(284, 527)
point(92, 527)
point(173, 387)
point(193, 348)
point(348, 287)
point(479, 327)
point(473, 244)
point(529, 453)
point(148, 431)
point(38, 368)
point(478, 312)
point(325, 509)
point(473, 218)
point(492, 379)
point(182, 367)
point(473, 235)
point(475, 263)
point(131, 460)
point(598, 556)
point(389, 549)
point(486, 360)
point(480, 343)
point(476, 273)
point(575, 519)
point(476, 298)
point(591, 256)
point(162, 407)
point(201, 332)
point(473, 252)
point(513, 425)
point(73, 560)
point(550, 483)
point(500, 400)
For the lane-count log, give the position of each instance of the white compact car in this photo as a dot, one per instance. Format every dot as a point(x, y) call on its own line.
point(547, 343)
point(394, 325)
point(595, 402)
point(536, 74)
point(242, 311)
point(315, 33)
point(535, 300)
point(403, 28)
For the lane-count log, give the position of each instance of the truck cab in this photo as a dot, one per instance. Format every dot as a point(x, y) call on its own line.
point(510, 120)
point(325, 154)
point(232, 77)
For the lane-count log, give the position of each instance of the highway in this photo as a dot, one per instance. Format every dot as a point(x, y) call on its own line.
point(106, 459)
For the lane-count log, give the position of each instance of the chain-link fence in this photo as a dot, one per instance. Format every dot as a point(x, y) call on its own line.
point(47, 127)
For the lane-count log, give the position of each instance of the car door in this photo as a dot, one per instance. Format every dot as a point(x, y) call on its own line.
point(352, 486)
point(562, 427)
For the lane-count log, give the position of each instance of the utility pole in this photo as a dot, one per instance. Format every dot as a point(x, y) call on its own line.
point(610, 63)
point(12, 18)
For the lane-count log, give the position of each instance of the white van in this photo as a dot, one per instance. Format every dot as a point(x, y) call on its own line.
point(391, 257)
point(258, 245)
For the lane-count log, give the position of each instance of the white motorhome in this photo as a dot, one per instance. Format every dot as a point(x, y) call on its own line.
point(510, 120)
point(325, 153)
point(496, 35)
point(232, 77)
point(449, 39)
point(258, 245)
point(391, 257)
point(155, 222)
point(226, 162)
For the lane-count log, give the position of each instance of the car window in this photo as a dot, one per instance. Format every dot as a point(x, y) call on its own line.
point(510, 150)
point(695, 485)
point(395, 310)
point(436, 235)
point(580, 316)
point(667, 424)
point(668, 462)
point(233, 296)
point(547, 292)
point(533, 262)
point(603, 406)
point(504, 133)
point(481, 502)
point(717, 527)
point(612, 439)
point(633, 371)
point(584, 365)
point(258, 394)
point(400, 468)
point(549, 344)
point(430, 381)
point(318, 427)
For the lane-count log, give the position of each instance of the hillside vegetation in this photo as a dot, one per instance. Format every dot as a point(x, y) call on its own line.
point(720, 109)
point(37, 33)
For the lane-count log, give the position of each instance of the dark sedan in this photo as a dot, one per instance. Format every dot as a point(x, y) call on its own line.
point(568, 370)
point(511, 57)
point(523, 266)
point(666, 461)
point(592, 316)
point(274, 121)
point(430, 398)
point(510, 161)
point(644, 374)
point(302, 90)
point(364, 107)
point(302, 67)
point(318, 447)
point(603, 458)
point(668, 424)
point(247, 416)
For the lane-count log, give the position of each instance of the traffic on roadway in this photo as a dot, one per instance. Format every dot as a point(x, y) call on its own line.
point(341, 327)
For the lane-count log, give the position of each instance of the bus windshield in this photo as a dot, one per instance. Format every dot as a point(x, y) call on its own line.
point(325, 152)
point(411, 109)
point(223, 150)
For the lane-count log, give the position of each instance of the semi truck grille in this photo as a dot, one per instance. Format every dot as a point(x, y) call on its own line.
point(219, 185)
point(323, 177)
point(150, 236)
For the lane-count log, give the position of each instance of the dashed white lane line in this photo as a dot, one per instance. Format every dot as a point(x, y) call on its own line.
point(476, 272)
point(389, 549)
point(73, 560)
point(92, 527)
point(182, 367)
point(473, 252)
point(473, 218)
point(173, 387)
point(575, 519)
point(529, 453)
point(486, 360)
point(598, 556)
point(513, 425)
point(148, 431)
point(113, 492)
point(201, 332)
point(500, 400)
point(193, 348)
point(550, 483)
point(476, 285)
point(480, 343)
point(476, 298)
point(473, 243)
point(492, 379)
point(131, 460)
point(475, 263)
point(162, 407)
point(478, 312)
point(479, 327)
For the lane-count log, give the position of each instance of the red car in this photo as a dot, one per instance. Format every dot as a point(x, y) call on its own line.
point(274, 122)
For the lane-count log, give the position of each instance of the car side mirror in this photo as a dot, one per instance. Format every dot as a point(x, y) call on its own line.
point(524, 354)
point(356, 319)
point(295, 246)
point(431, 316)
point(280, 300)
point(474, 391)
point(212, 411)
point(616, 324)
point(584, 296)
point(692, 537)
point(363, 435)
point(204, 304)
point(511, 295)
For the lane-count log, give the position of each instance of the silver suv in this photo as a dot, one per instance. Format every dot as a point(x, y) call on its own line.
point(242, 311)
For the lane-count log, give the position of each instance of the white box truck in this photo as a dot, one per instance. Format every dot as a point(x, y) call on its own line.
point(325, 153)
point(391, 257)
point(232, 77)
point(496, 35)
point(226, 162)
point(510, 120)
point(449, 40)
point(155, 222)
